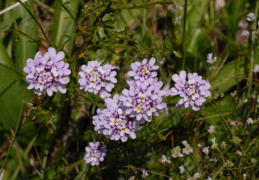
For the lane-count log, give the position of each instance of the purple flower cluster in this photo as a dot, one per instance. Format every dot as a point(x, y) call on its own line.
point(121, 118)
point(193, 91)
point(113, 122)
point(46, 73)
point(97, 79)
point(142, 72)
point(144, 97)
point(94, 154)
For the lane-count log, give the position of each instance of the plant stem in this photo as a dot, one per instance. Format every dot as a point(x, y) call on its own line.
point(43, 32)
point(50, 9)
point(68, 11)
point(183, 38)
point(134, 6)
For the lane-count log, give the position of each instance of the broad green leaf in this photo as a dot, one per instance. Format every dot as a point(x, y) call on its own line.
point(228, 76)
point(12, 92)
point(23, 48)
point(4, 58)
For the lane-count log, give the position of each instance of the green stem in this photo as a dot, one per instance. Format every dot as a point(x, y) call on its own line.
point(134, 6)
point(43, 32)
point(50, 9)
point(68, 11)
point(11, 69)
point(183, 38)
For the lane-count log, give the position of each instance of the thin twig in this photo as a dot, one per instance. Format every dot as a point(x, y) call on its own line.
point(11, 7)
point(135, 6)
point(68, 11)
point(43, 32)
point(147, 171)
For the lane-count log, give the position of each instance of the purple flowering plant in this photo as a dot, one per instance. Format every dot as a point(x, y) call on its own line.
point(113, 122)
point(48, 72)
point(193, 91)
point(76, 74)
point(96, 78)
point(94, 153)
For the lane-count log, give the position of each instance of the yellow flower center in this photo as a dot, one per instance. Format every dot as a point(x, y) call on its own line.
point(139, 108)
point(115, 121)
point(144, 70)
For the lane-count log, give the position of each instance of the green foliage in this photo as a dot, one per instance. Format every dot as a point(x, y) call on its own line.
point(44, 137)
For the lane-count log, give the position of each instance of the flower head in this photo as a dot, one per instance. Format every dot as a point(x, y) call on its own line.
point(250, 17)
point(211, 59)
point(94, 154)
point(211, 129)
point(47, 72)
point(250, 121)
point(142, 72)
point(97, 79)
point(113, 122)
point(182, 169)
point(143, 102)
point(256, 68)
point(144, 173)
point(164, 159)
point(205, 150)
point(193, 91)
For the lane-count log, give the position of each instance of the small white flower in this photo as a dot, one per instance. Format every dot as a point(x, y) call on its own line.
point(144, 173)
point(196, 175)
point(239, 153)
point(250, 17)
point(211, 59)
point(244, 176)
point(199, 145)
point(206, 150)
point(184, 142)
point(245, 33)
point(181, 169)
point(209, 178)
point(245, 100)
point(233, 123)
point(213, 140)
point(132, 178)
point(256, 68)
point(211, 129)
point(213, 160)
point(250, 121)
point(165, 159)
point(187, 150)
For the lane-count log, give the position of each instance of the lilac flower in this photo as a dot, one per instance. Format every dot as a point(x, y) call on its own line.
point(211, 129)
point(97, 79)
point(113, 122)
point(193, 91)
point(205, 150)
point(142, 72)
point(182, 169)
point(46, 73)
point(94, 154)
point(143, 102)
point(144, 173)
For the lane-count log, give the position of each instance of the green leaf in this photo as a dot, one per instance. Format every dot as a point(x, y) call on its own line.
point(228, 76)
point(177, 54)
point(139, 47)
point(24, 49)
